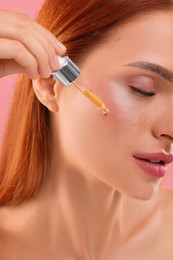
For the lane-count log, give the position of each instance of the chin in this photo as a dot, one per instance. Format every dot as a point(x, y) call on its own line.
point(144, 194)
point(144, 197)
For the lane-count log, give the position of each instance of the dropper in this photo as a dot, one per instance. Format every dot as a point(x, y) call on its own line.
point(68, 73)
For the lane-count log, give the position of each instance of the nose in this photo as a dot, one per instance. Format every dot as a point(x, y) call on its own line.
point(167, 136)
point(164, 135)
point(164, 127)
point(164, 131)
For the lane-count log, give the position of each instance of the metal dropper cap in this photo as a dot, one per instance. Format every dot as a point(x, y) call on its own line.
point(67, 72)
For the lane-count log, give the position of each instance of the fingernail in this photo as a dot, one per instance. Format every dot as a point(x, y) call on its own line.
point(61, 46)
point(47, 72)
point(33, 83)
point(55, 63)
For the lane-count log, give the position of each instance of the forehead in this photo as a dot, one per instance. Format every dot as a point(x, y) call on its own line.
point(148, 38)
point(152, 32)
point(160, 20)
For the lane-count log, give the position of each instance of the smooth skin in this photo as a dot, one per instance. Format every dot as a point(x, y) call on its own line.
point(98, 204)
point(26, 47)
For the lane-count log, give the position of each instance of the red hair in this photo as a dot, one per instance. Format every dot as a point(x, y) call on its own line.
point(80, 25)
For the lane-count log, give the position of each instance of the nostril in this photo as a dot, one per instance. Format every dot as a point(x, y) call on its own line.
point(168, 136)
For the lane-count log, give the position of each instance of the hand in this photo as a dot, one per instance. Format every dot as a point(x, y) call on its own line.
point(26, 46)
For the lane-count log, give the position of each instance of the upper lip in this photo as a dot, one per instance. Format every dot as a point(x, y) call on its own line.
point(163, 157)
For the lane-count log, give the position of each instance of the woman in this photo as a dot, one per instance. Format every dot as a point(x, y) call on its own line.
point(76, 184)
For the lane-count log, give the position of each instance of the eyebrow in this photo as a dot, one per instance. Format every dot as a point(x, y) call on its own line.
point(153, 67)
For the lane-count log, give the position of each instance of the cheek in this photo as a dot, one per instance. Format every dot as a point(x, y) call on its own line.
point(123, 115)
point(130, 112)
point(86, 131)
point(98, 144)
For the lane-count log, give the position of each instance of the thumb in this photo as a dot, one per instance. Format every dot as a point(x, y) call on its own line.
point(8, 67)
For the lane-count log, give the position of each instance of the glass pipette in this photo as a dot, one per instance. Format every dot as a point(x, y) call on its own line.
point(68, 73)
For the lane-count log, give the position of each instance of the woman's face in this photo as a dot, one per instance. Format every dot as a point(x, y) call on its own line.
point(122, 74)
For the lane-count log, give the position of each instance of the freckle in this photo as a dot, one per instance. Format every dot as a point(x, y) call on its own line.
point(142, 121)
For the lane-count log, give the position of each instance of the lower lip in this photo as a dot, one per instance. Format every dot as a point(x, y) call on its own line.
point(153, 169)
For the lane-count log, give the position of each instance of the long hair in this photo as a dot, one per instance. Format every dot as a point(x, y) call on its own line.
point(80, 25)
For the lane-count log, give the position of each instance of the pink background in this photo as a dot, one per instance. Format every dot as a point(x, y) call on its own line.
point(31, 8)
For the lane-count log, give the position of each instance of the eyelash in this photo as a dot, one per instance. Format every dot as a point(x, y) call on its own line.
point(143, 93)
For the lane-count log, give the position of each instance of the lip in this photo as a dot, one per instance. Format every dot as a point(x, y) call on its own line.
point(154, 169)
point(165, 158)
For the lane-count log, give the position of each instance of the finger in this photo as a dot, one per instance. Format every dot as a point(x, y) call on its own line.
point(17, 33)
point(9, 67)
point(14, 50)
point(49, 42)
point(60, 48)
point(25, 20)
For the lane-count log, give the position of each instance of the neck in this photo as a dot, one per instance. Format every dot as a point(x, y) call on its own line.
point(88, 214)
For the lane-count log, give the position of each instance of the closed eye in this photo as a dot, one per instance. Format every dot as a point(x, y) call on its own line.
point(142, 92)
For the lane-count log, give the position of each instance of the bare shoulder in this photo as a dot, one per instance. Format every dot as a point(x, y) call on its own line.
point(2, 235)
point(7, 238)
